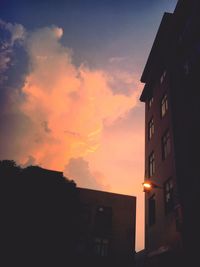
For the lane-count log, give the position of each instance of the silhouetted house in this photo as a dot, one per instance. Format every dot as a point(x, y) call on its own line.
point(39, 216)
point(172, 138)
point(47, 221)
point(108, 236)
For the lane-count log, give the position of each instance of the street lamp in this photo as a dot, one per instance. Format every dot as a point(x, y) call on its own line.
point(149, 185)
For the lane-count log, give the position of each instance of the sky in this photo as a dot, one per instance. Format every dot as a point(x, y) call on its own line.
point(70, 86)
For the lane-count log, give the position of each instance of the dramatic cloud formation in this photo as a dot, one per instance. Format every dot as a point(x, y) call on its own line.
point(61, 110)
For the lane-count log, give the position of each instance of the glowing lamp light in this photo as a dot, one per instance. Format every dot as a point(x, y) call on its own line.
point(147, 186)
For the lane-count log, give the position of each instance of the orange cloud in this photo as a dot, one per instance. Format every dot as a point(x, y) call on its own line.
point(73, 103)
point(79, 169)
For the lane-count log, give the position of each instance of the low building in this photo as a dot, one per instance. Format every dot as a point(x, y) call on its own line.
point(48, 221)
point(108, 233)
point(39, 216)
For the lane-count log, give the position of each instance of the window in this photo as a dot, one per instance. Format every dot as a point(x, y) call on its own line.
point(164, 105)
point(162, 77)
point(103, 222)
point(150, 128)
point(186, 68)
point(86, 213)
point(179, 217)
point(150, 102)
point(186, 30)
point(168, 195)
point(151, 164)
point(166, 145)
point(152, 210)
point(101, 247)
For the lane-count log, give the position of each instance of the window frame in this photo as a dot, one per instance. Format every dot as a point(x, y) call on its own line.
point(101, 247)
point(150, 102)
point(151, 163)
point(168, 191)
point(151, 128)
point(152, 210)
point(103, 221)
point(186, 68)
point(166, 144)
point(163, 75)
point(164, 105)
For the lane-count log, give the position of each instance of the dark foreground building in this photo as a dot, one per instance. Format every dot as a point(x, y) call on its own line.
point(172, 139)
point(39, 217)
point(46, 221)
point(108, 236)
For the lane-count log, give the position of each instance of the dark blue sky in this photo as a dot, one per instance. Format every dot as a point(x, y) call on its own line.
point(95, 29)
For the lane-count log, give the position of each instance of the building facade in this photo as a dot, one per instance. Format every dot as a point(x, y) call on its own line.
point(172, 133)
point(108, 233)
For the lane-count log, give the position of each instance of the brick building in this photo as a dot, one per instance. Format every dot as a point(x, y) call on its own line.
point(172, 130)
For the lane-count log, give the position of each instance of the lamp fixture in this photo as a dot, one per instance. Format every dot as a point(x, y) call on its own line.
point(149, 185)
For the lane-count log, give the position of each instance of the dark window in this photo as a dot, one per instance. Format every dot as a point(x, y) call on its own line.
point(101, 247)
point(186, 30)
point(151, 164)
point(179, 217)
point(150, 102)
point(86, 214)
point(150, 128)
point(166, 145)
point(186, 68)
point(103, 222)
point(162, 77)
point(164, 105)
point(152, 210)
point(168, 195)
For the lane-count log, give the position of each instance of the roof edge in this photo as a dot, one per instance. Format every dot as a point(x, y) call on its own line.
point(155, 47)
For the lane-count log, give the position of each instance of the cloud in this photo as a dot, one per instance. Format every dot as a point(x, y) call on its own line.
point(46, 127)
point(4, 61)
point(17, 31)
point(123, 83)
point(30, 161)
point(10, 35)
point(78, 170)
point(116, 59)
point(58, 32)
point(15, 131)
point(61, 109)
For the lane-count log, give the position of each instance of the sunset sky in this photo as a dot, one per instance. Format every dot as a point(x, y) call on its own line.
point(70, 86)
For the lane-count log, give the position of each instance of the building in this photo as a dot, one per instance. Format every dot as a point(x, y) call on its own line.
point(108, 233)
point(39, 216)
point(172, 143)
point(48, 221)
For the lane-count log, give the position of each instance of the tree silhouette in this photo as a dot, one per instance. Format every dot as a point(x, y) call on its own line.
point(40, 216)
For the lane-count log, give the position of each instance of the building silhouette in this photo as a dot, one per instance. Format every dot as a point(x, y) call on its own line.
point(108, 236)
point(172, 138)
point(47, 221)
point(39, 217)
